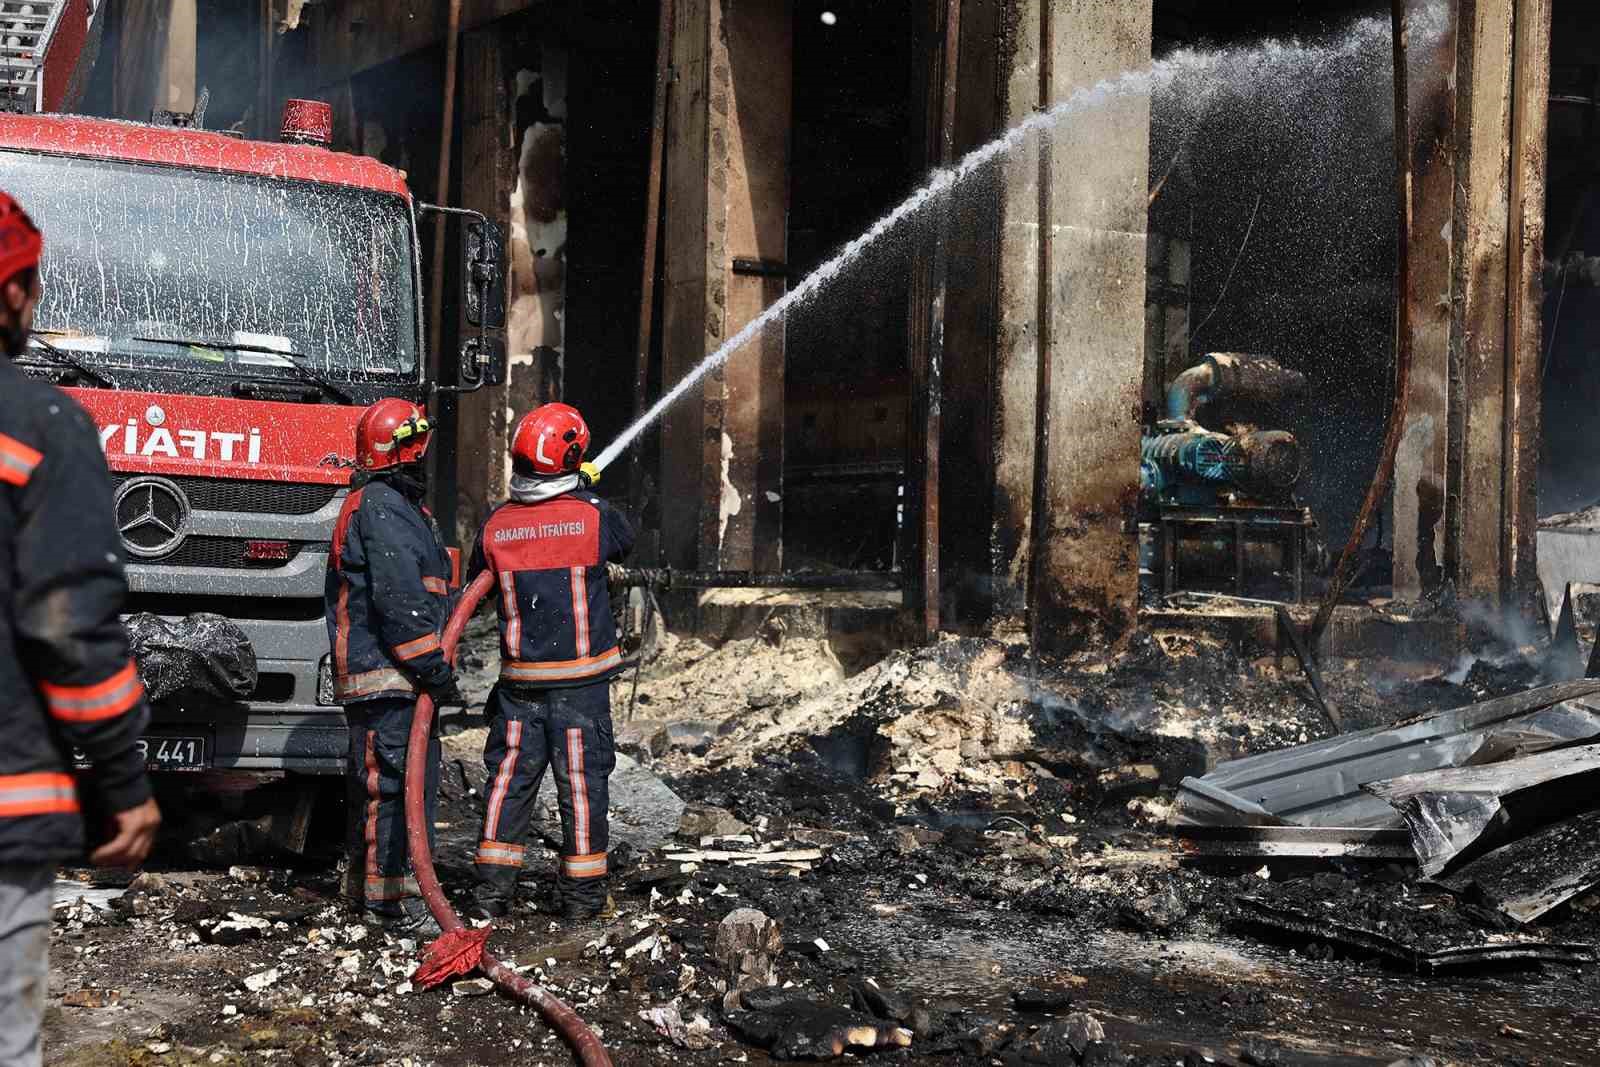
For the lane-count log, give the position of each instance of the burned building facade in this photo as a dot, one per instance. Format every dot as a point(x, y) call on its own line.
point(966, 400)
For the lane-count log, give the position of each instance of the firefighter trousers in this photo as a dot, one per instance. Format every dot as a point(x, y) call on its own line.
point(25, 892)
point(379, 872)
point(569, 731)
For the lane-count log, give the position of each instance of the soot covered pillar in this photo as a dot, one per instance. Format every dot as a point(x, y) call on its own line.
point(1421, 465)
point(727, 184)
point(1502, 87)
point(1094, 209)
point(1465, 495)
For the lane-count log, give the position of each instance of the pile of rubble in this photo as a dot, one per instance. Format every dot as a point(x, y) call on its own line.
point(954, 855)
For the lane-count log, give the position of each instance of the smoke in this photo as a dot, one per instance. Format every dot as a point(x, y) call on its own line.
point(1505, 627)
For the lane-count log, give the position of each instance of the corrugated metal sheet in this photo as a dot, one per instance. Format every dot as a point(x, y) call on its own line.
point(1319, 785)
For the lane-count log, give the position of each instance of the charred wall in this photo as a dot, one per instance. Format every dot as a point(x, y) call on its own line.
point(845, 356)
point(1569, 477)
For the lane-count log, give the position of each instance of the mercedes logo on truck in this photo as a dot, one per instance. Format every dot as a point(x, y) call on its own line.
point(152, 514)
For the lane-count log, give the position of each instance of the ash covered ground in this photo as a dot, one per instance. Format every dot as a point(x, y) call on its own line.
point(958, 857)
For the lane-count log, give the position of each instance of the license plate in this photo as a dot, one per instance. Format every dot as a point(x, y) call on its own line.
point(162, 753)
point(174, 753)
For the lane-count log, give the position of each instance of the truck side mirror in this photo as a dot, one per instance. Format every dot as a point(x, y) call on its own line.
point(483, 362)
point(483, 253)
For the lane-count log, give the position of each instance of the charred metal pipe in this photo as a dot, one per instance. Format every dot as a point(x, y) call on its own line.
point(1230, 375)
point(661, 579)
point(583, 1042)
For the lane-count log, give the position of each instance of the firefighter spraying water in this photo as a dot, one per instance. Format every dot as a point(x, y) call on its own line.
point(547, 550)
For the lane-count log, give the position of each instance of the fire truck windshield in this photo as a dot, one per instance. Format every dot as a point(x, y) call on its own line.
point(138, 251)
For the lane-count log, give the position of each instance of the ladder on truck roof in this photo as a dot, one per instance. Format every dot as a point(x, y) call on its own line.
point(29, 29)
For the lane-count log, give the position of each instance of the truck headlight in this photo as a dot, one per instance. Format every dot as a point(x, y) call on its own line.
point(325, 682)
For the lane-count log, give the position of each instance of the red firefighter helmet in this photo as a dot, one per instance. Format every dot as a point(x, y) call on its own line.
point(20, 240)
point(551, 440)
point(392, 432)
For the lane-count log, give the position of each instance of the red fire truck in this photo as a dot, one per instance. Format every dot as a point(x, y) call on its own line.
point(225, 309)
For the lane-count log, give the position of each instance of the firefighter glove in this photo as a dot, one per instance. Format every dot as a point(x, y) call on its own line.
point(447, 694)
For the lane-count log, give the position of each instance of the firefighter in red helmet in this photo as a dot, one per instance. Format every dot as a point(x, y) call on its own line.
point(66, 678)
point(548, 548)
point(387, 598)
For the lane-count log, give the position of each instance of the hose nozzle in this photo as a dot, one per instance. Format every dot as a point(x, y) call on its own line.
point(588, 475)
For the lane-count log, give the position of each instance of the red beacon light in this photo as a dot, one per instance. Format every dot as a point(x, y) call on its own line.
point(307, 122)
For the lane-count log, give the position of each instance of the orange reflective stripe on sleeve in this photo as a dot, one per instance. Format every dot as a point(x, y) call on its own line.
point(45, 793)
point(17, 461)
point(385, 680)
point(420, 647)
point(93, 703)
point(436, 585)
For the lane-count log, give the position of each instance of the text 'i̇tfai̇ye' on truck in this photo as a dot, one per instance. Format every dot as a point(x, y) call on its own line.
point(225, 309)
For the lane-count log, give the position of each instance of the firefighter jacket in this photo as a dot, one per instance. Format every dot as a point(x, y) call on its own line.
point(549, 564)
point(387, 595)
point(66, 679)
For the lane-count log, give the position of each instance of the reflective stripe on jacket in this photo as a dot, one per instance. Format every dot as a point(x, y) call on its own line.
point(549, 564)
point(387, 596)
point(66, 680)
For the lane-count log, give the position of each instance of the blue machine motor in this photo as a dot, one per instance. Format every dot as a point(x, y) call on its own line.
point(1183, 463)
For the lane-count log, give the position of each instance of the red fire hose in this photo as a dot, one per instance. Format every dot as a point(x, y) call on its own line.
point(584, 1044)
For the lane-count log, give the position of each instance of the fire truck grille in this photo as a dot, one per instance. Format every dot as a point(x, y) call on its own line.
point(221, 552)
point(249, 495)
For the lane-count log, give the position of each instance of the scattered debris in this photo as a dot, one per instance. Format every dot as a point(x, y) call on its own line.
point(797, 1028)
point(262, 979)
point(1457, 808)
point(668, 1022)
point(1308, 800)
point(1529, 877)
point(1428, 937)
point(747, 947)
point(234, 929)
point(89, 997)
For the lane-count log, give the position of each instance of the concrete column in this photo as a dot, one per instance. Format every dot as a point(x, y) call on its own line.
point(488, 172)
point(726, 251)
point(177, 90)
point(1502, 80)
point(1420, 465)
point(1530, 134)
point(1096, 214)
point(157, 38)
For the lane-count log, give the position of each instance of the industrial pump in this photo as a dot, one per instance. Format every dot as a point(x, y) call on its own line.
point(1203, 491)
